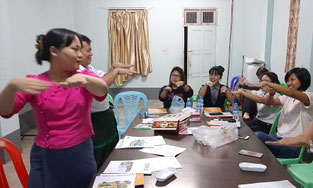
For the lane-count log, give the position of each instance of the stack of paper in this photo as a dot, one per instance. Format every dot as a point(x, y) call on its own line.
point(165, 150)
point(139, 142)
point(115, 180)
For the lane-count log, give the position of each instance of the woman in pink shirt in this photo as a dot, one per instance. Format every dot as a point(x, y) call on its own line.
point(62, 155)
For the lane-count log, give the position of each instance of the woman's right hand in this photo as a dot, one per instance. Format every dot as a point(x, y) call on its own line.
point(29, 85)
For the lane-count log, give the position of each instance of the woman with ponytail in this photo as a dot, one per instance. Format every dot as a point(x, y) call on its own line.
point(214, 93)
point(62, 155)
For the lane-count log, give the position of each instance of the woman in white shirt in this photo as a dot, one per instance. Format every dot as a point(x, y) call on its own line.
point(297, 110)
point(266, 114)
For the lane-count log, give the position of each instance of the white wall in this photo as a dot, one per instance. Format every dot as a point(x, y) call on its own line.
point(249, 32)
point(20, 22)
point(279, 37)
point(165, 30)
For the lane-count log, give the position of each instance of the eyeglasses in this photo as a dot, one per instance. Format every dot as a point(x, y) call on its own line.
point(175, 76)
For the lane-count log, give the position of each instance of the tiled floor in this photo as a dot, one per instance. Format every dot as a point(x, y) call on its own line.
point(28, 141)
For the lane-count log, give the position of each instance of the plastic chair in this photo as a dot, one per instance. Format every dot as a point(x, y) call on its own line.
point(18, 163)
point(302, 173)
point(234, 82)
point(131, 102)
point(286, 161)
point(274, 125)
point(110, 98)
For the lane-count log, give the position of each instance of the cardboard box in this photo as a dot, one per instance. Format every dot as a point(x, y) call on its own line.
point(172, 123)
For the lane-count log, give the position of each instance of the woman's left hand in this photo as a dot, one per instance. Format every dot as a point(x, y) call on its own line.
point(180, 83)
point(77, 80)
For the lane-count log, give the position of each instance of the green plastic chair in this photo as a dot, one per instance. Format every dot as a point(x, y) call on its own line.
point(274, 125)
point(110, 98)
point(302, 173)
point(286, 161)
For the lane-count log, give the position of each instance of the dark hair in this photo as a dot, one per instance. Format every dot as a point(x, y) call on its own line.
point(86, 39)
point(181, 72)
point(273, 76)
point(260, 72)
point(59, 38)
point(217, 70)
point(303, 75)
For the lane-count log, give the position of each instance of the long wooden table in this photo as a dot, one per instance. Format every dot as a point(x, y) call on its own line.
point(207, 167)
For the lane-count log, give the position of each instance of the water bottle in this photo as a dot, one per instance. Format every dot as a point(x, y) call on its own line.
point(198, 107)
point(188, 103)
point(236, 112)
point(201, 103)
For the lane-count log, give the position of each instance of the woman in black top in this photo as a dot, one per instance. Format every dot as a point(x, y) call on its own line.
point(213, 92)
point(177, 86)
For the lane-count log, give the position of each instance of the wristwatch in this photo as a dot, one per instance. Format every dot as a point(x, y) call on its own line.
point(311, 146)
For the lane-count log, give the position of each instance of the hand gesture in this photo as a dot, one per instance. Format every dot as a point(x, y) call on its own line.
point(30, 85)
point(77, 80)
point(237, 93)
point(260, 84)
point(122, 71)
point(120, 65)
point(209, 83)
point(293, 142)
point(180, 83)
point(168, 88)
point(224, 89)
point(272, 92)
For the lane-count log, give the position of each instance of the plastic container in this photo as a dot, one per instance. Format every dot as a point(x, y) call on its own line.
point(236, 112)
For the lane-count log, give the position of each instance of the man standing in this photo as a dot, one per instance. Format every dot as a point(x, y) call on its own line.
point(102, 114)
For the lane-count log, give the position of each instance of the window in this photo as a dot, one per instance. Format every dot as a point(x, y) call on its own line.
point(207, 16)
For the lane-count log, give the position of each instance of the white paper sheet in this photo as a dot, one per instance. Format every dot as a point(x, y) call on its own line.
point(129, 166)
point(271, 184)
point(160, 163)
point(139, 142)
point(115, 180)
point(165, 150)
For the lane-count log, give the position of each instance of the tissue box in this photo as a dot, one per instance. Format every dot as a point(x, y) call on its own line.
point(172, 123)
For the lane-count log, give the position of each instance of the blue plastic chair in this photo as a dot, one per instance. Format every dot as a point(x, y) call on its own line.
point(234, 82)
point(131, 101)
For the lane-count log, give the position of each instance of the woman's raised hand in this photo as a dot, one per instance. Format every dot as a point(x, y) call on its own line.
point(29, 85)
point(180, 83)
point(77, 80)
point(209, 83)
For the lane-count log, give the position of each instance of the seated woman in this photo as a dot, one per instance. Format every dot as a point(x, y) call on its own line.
point(304, 139)
point(177, 86)
point(297, 110)
point(266, 114)
point(213, 92)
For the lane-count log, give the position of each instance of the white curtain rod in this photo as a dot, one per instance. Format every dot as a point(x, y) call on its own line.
point(126, 8)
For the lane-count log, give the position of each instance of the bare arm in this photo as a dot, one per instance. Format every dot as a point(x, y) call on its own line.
point(165, 92)
point(252, 97)
point(95, 85)
point(291, 92)
point(301, 140)
point(110, 76)
point(202, 92)
point(26, 85)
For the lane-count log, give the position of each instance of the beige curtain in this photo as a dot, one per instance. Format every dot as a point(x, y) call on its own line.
point(129, 42)
point(292, 35)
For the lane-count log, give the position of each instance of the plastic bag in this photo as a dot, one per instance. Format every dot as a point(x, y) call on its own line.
point(216, 136)
point(177, 105)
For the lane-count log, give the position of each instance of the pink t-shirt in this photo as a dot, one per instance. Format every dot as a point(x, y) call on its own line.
point(295, 116)
point(62, 114)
